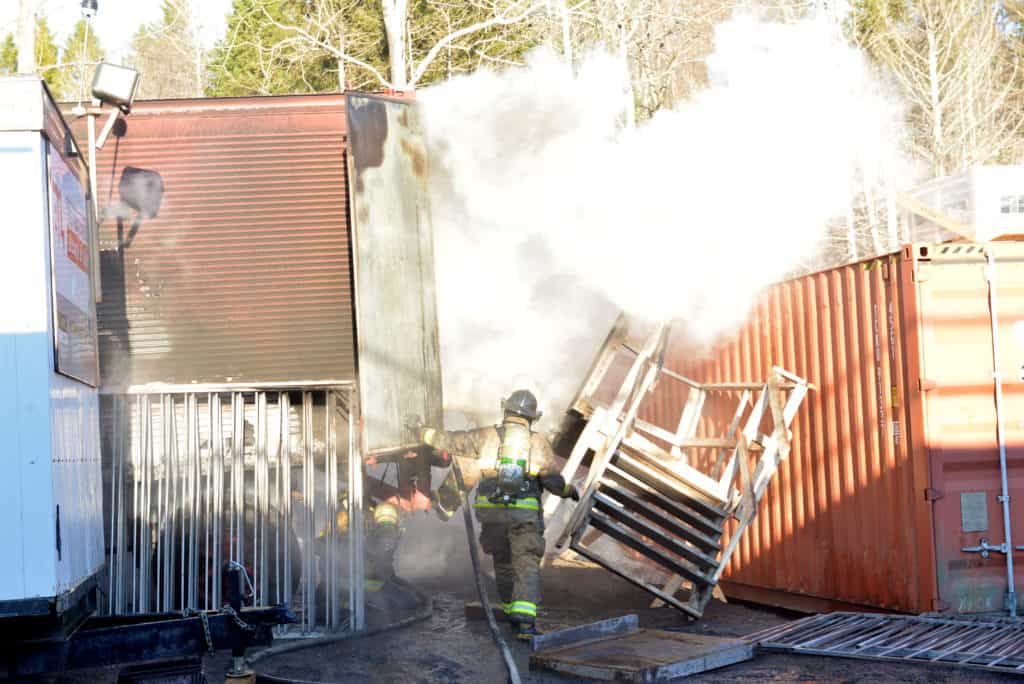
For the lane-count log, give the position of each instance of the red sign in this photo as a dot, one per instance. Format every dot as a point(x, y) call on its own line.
point(78, 251)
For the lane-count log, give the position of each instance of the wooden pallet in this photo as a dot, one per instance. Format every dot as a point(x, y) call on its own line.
point(619, 650)
point(641, 491)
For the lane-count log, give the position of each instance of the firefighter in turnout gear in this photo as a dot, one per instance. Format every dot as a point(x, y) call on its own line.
point(514, 468)
point(382, 540)
point(383, 534)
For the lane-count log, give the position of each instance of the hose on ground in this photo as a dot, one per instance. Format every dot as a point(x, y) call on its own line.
point(425, 611)
point(481, 590)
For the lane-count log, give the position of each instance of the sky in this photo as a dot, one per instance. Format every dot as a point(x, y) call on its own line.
point(117, 20)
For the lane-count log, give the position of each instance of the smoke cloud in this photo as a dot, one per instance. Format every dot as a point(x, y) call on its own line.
point(550, 218)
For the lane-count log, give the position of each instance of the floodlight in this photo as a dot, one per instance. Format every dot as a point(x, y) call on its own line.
point(115, 85)
point(89, 8)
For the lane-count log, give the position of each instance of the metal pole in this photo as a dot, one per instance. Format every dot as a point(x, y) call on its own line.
point(309, 499)
point(121, 438)
point(1004, 499)
point(208, 519)
point(260, 582)
point(285, 462)
point(136, 497)
point(278, 511)
point(355, 514)
point(112, 563)
point(196, 471)
point(146, 524)
point(92, 168)
point(329, 518)
point(217, 473)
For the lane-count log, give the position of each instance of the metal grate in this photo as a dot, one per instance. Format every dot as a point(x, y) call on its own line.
point(994, 645)
point(257, 477)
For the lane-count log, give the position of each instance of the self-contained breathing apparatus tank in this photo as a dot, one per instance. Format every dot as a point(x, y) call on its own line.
point(513, 461)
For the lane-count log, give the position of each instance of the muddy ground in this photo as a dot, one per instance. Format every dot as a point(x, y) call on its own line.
point(449, 648)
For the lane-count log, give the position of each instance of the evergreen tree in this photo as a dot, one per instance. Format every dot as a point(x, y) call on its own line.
point(47, 56)
point(79, 59)
point(8, 55)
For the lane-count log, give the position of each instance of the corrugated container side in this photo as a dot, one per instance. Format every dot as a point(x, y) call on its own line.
point(846, 519)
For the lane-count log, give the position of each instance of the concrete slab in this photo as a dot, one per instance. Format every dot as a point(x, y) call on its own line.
point(644, 655)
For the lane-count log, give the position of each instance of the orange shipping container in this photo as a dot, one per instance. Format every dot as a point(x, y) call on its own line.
point(895, 466)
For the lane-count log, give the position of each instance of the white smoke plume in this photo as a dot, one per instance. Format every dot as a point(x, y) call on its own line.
point(549, 218)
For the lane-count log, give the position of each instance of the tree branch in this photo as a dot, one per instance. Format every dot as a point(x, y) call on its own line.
point(335, 52)
point(500, 20)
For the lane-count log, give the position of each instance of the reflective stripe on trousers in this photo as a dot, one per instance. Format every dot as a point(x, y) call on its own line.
point(524, 608)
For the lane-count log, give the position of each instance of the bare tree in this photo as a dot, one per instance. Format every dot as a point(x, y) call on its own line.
point(954, 65)
point(170, 54)
point(26, 40)
point(409, 59)
point(661, 44)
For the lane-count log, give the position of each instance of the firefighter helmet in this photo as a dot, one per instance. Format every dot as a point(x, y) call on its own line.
point(521, 403)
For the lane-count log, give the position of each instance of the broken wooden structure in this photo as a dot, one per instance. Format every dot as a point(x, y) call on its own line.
point(662, 493)
point(620, 650)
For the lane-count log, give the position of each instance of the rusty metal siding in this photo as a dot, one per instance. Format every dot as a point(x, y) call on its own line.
point(245, 275)
point(846, 520)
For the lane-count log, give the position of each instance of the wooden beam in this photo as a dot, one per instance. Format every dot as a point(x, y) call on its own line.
point(916, 206)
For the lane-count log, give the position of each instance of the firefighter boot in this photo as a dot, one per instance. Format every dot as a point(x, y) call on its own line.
point(525, 631)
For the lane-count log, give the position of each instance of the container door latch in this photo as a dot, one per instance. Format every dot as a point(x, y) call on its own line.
point(984, 548)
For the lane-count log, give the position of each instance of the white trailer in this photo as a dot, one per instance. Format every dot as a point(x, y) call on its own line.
point(50, 491)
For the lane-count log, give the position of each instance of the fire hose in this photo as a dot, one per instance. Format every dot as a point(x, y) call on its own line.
point(481, 590)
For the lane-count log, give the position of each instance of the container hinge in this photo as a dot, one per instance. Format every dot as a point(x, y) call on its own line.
point(926, 385)
point(931, 494)
point(984, 548)
point(1003, 499)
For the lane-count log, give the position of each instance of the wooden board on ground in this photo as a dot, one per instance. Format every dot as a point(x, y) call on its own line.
point(618, 650)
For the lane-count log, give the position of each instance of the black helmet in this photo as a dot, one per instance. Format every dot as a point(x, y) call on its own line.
point(521, 403)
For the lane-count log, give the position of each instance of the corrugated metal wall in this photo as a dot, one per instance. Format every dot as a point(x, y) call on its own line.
point(846, 519)
point(245, 275)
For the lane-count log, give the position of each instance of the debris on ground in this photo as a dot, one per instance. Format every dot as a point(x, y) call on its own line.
point(993, 645)
point(619, 650)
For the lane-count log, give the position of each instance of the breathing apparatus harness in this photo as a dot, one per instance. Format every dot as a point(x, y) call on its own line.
point(512, 466)
point(514, 476)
